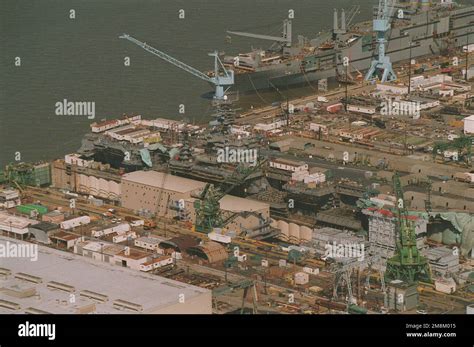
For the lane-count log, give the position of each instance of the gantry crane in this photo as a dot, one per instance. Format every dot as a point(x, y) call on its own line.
point(246, 285)
point(382, 67)
point(222, 78)
point(344, 271)
point(407, 264)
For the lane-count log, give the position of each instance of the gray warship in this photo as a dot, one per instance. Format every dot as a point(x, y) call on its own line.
point(417, 29)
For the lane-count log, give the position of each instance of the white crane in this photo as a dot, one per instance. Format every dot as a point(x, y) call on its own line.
point(382, 67)
point(222, 78)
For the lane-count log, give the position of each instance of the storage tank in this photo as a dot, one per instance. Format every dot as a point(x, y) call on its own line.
point(306, 233)
point(283, 226)
point(294, 231)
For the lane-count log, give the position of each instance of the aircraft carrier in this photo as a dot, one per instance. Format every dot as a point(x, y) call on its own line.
point(418, 29)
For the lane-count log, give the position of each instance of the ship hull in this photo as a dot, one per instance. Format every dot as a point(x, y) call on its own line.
point(433, 38)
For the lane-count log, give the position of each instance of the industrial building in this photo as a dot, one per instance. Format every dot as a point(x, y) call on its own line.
point(469, 125)
point(443, 261)
point(382, 235)
point(293, 232)
point(211, 251)
point(324, 237)
point(179, 244)
point(150, 243)
point(15, 226)
point(86, 177)
point(248, 216)
point(47, 284)
point(402, 296)
point(156, 191)
point(9, 198)
point(42, 231)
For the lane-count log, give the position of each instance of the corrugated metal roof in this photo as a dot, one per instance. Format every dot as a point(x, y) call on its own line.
point(160, 179)
point(214, 251)
point(180, 243)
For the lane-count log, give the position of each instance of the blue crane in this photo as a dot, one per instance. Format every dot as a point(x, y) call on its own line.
point(221, 78)
point(382, 67)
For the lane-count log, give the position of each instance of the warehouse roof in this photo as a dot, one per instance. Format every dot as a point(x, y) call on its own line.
point(160, 179)
point(12, 221)
point(288, 162)
point(212, 251)
point(45, 226)
point(122, 287)
point(180, 243)
point(64, 236)
point(236, 204)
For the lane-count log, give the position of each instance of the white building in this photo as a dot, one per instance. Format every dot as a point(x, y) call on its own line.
point(150, 243)
point(469, 125)
point(98, 251)
point(45, 286)
point(131, 258)
point(75, 159)
point(9, 198)
point(288, 165)
point(15, 226)
point(164, 124)
point(361, 109)
point(392, 89)
point(75, 222)
point(270, 126)
point(443, 261)
point(318, 127)
point(121, 237)
point(119, 228)
point(156, 263)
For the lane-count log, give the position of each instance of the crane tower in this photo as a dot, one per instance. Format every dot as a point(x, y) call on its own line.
point(381, 67)
point(407, 264)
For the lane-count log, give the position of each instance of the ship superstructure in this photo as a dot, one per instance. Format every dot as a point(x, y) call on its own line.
point(424, 28)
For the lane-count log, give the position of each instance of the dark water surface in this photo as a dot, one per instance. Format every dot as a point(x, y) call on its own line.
point(82, 60)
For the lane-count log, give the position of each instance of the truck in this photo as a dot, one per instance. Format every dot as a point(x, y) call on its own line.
point(149, 224)
point(464, 177)
point(468, 49)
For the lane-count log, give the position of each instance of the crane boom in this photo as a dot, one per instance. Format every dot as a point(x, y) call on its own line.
point(285, 38)
point(258, 36)
point(226, 79)
point(167, 58)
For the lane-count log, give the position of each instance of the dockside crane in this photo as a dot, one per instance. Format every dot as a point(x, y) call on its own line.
point(284, 39)
point(381, 67)
point(407, 264)
point(222, 79)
